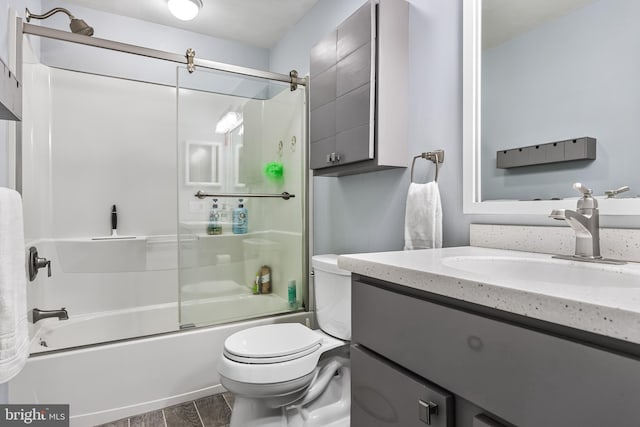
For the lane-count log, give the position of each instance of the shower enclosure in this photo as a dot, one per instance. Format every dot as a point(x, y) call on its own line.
point(197, 172)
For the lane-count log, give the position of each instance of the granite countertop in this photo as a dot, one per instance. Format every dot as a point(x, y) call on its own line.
point(611, 309)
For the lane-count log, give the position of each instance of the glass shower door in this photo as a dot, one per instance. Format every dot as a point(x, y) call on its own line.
point(240, 144)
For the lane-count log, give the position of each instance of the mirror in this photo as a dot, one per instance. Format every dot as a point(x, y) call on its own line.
point(537, 72)
point(203, 164)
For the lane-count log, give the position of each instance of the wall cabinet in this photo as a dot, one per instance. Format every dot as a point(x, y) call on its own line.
point(359, 92)
point(521, 375)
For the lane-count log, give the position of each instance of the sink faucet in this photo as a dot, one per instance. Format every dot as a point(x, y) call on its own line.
point(43, 314)
point(585, 222)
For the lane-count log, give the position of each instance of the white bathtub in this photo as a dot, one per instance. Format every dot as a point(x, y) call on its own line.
point(108, 382)
point(227, 302)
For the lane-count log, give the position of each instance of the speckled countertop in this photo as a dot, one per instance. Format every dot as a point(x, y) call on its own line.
point(603, 299)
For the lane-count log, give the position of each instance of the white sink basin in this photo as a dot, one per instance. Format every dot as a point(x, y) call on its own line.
point(559, 272)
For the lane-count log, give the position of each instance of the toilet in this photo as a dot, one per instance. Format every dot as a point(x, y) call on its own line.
point(288, 374)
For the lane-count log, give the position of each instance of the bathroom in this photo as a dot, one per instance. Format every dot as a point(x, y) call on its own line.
point(359, 213)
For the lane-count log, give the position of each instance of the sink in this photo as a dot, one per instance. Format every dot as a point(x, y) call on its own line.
point(546, 270)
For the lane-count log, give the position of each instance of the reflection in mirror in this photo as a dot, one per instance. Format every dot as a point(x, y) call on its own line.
point(203, 164)
point(568, 73)
point(559, 70)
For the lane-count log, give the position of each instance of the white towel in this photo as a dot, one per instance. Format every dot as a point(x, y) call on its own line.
point(423, 217)
point(14, 335)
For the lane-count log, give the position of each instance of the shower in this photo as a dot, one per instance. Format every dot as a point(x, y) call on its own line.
point(78, 26)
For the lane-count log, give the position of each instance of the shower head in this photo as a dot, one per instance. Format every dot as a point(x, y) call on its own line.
point(78, 26)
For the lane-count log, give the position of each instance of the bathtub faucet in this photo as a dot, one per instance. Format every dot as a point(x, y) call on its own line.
point(43, 314)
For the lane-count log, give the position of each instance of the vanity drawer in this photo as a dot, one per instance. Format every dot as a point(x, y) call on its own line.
point(384, 394)
point(523, 376)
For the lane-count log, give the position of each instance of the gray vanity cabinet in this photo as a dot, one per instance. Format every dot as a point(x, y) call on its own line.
point(519, 374)
point(358, 92)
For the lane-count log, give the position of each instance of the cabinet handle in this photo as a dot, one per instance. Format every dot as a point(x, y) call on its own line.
point(425, 410)
point(333, 158)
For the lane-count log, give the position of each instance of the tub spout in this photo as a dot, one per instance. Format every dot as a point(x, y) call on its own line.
point(38, 315)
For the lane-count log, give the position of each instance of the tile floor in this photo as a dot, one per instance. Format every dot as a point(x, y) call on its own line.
point(210, 411)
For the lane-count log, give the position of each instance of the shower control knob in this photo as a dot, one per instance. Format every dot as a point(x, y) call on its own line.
point(35, 263)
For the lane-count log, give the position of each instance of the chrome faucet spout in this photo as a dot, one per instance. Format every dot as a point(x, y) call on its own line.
point(38, 314)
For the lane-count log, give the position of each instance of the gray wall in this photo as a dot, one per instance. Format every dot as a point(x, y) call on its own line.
point(574, 76)
point(365, 213)
point(141, 33)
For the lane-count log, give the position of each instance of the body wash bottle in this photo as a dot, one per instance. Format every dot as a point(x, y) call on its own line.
point(240, 219)
point(213, 226)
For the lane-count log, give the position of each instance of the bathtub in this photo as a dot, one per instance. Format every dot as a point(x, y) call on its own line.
point(111, 381)
point(205, 303)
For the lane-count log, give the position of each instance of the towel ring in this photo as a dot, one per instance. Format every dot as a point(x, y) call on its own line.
point(436, 156)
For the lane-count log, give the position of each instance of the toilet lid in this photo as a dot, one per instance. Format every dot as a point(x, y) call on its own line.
point(273, 342)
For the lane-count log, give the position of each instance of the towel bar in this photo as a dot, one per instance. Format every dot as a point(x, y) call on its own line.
point(436, 156)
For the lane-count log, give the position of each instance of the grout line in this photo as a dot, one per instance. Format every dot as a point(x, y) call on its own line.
point(198, 412)
point(164, 417)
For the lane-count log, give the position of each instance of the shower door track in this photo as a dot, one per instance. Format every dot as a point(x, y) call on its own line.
point(50, 33)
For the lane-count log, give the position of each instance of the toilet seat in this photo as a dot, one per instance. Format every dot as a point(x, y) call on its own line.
point(272, 344)
point(292, 355)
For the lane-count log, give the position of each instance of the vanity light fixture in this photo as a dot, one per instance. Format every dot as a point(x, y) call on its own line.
point(228, 122)
point(185, 10)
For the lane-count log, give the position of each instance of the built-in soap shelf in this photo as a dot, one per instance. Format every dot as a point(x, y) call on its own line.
point(553, 152)
point(112, 255)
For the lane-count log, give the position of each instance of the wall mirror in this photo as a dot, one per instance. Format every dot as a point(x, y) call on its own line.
point(203, 163)
point(536, 72)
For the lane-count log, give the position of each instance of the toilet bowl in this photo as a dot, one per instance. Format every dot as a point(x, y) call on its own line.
point(288, 374)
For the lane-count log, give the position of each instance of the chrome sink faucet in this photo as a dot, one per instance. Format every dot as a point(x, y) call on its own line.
point(585, 222)
point(43, 314)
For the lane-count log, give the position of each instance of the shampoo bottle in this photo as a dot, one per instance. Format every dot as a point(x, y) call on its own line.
point(240, 219)
point(213, 226)
point(291, 295)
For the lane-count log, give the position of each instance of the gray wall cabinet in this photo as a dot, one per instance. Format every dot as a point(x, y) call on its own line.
point(520, 375)
point(358, 95)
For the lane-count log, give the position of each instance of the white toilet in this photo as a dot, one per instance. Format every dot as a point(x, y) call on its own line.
point(289, 375)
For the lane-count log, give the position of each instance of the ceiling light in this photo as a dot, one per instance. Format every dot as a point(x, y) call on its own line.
point(185, 10)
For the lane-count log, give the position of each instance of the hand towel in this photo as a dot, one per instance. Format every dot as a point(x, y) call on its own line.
point(14, 336)
point(423, 217)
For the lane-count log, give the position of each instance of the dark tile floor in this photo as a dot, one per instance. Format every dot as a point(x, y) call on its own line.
point(210, 411)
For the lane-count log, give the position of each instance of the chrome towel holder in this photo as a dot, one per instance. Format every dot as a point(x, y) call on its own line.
point(436, 156)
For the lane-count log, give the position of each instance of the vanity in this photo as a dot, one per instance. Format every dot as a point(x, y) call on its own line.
point(472, 336)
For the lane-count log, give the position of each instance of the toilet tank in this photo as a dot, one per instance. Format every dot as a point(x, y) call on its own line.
point(333, 296)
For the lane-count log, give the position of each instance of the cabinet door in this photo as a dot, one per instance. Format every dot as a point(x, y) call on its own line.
point(341, 93)
point(384, 395)
point(355, 87)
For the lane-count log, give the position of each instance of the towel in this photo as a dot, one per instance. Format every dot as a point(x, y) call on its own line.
point(423, 217)
point(14, 336)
